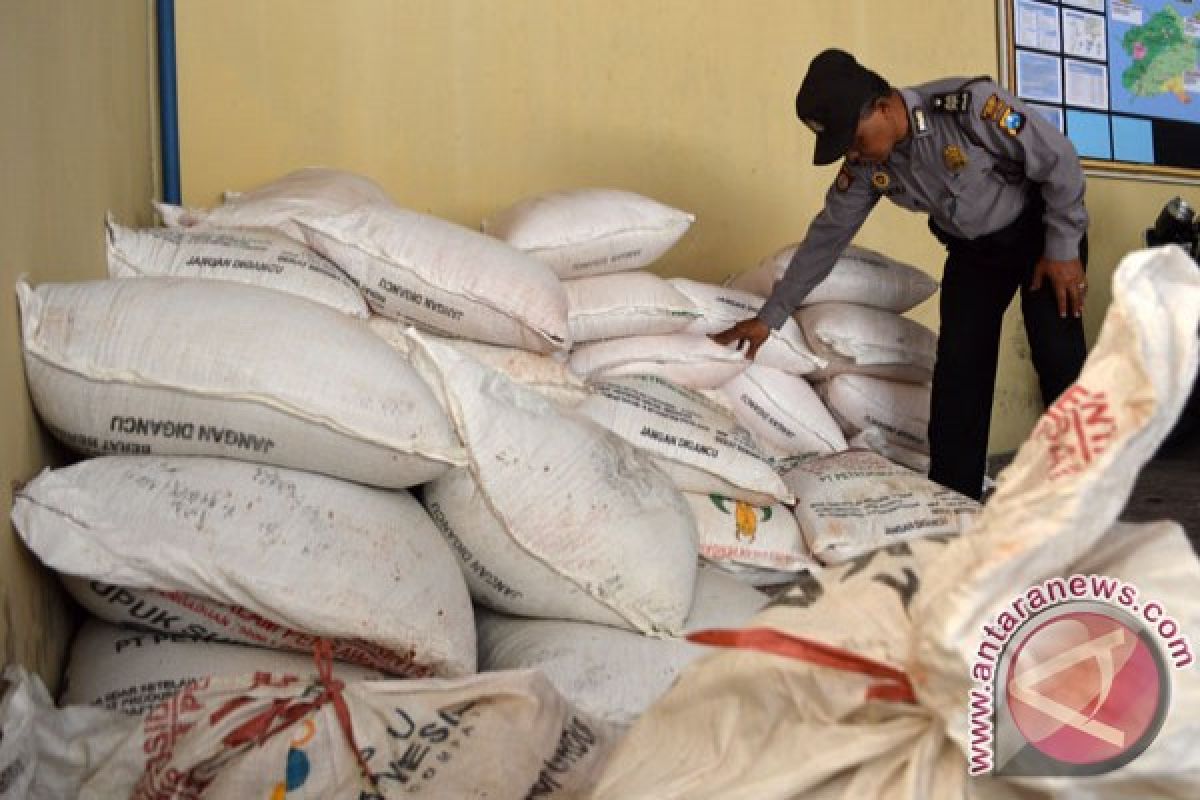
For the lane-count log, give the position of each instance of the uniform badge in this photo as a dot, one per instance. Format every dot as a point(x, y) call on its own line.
point(1012, 122)
point(993, 109)
point(921, 122)
point(844, 179)
point(954, 158)
point(881, 180)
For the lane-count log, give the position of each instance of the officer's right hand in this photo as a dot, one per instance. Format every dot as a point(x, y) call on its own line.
point(752, 332)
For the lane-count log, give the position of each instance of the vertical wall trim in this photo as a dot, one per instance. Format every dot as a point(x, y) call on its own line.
point(168, 101)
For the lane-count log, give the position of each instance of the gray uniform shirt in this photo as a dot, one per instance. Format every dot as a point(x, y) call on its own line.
point(940, 171)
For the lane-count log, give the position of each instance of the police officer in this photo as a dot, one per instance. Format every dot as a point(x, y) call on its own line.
point(1003, 189)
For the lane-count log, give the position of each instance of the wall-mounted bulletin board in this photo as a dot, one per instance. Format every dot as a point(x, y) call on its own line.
point(1120, 77)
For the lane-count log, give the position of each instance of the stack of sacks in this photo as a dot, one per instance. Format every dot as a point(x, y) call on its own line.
point(878, 364)
point(623, 320)
point(611, 673)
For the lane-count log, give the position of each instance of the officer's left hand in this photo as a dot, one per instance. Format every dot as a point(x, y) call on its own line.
point(1069, 281)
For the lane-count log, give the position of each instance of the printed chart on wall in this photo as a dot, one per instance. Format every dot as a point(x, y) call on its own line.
point(1120, 77)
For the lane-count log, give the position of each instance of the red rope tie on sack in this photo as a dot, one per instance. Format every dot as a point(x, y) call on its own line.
point(894, 687)
point(283, 712)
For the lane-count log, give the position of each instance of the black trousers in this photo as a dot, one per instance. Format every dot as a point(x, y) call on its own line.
point(979, 282)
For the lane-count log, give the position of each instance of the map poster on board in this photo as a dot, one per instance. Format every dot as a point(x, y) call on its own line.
point(1121, 78)
point(1155, 59)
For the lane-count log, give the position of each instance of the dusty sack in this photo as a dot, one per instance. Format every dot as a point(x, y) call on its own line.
point(852, 503)
point(785, 415)
point(738, 534)
point(555, 516)
point(860, 276)
point(132, 671)
point(302, 196)
point(625, 304)
point(585, 232)
point(867, 341)
point(919, 621)
point(256, 554)
point(183, 366)
point(686, 359)
point(256, 256)
point(900, 411)
point(699, 444)
point(610, 673)
point(504, 735)
point(445, 278)
point(721, 308)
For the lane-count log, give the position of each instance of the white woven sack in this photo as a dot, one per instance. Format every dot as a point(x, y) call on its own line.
point(918, 612)
point(784, 414)
point(696, 442)
point(506, 736)
point(257, 256)
point(445, 278)
point(860, 276)
point(586, 232)
point(609, 673)
point(555, 516)
point(253, 554)
point(852, 503)
point(874, 439)
point(900, 411)
point(183, 366)
point(134, 671)
point(686, 359)
point(305, 195)
point(867, 341)
point(546, 374)
point(625, 304)
point(721, 308)
point(47, 752)
point(733, 532)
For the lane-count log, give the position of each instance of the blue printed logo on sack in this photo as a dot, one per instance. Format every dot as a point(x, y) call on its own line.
point(1073, 679)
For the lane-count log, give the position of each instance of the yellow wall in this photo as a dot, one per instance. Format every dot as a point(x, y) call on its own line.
point(460, 107)
point(76, 141)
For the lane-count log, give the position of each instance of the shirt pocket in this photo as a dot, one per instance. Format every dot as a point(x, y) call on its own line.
point(973, 190)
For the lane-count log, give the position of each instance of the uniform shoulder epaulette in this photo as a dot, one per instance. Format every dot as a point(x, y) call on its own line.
point(957, 102)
